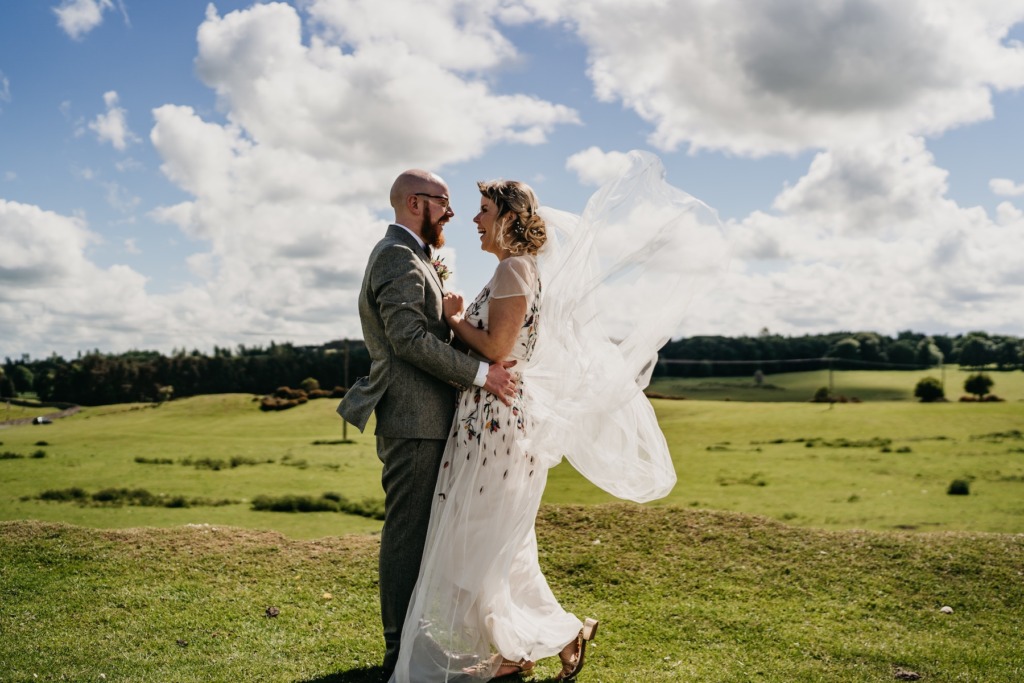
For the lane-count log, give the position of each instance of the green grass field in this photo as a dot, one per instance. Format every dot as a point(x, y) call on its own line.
point(683, 595)
point(866, 385)
point(872, 465)
point(797, 546)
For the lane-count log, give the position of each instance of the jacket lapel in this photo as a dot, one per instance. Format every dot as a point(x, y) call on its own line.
point(397, 233)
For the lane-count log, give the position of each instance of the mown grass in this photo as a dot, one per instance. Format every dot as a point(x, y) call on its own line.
point(683, 595)
point(874, 465)
point(866, 385)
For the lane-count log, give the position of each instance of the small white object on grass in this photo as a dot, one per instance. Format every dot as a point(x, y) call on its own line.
point(946, 609)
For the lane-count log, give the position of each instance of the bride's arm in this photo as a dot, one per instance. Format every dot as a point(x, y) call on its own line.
point(505, 319)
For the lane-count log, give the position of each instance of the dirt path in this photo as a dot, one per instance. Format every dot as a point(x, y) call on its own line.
point(28, 420)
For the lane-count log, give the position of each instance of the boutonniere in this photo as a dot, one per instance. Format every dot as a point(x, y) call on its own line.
point(442, 270)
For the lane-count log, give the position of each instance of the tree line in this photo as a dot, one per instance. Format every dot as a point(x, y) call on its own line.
point(772, 353)
point(96, 378)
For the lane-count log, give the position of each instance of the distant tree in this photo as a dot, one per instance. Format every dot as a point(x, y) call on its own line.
point(1008, 354)
point(309, 385)
point(928, 354)
point(7, 389)
point(821, 395)
point(976, 352)
point(870, 346)
point(929, 390)
point(847, 349)
point(978, 384)
point(902, 352)
point(22, 378)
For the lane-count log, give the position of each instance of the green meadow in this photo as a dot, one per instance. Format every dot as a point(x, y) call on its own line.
point(869, 465)
point(802, 542)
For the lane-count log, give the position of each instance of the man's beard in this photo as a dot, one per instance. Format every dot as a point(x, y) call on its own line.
point(431, 231)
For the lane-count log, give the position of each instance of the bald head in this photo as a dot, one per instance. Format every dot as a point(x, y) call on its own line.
point(413, 181)
point(420, 201)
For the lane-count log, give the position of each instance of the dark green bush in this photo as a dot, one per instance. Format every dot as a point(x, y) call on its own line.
point(929, 390)
point(959, 487)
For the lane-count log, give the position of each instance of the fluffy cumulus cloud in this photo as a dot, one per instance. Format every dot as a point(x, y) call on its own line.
point(112, 126)
point(868, 239)
point(786, 75)
point(289, 193)
point(55, 297)
point(593, 166)
point(79, 17)
point(1004, 187)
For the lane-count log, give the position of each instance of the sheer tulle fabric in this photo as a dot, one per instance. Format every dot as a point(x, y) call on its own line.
point(605, 294)
point(618, 280)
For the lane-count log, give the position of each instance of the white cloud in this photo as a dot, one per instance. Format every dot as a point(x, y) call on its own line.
point(286, 194)
point(1005, 187)
point(10, 176)
point(868, 240)
point(787, 75)
point(112, 127)
point(79, 17)
point(55, 297)
point(452, 34)
point(5, 88)
point(595, 167)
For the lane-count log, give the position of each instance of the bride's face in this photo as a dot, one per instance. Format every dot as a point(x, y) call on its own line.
point(485, 226)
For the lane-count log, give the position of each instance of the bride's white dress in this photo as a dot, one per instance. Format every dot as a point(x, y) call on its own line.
point(481, 591)
point(585, 352)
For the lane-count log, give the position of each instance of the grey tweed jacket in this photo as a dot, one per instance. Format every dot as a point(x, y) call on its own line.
point(414, 372)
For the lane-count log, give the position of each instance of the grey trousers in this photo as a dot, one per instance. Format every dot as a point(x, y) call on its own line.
point(409, 477)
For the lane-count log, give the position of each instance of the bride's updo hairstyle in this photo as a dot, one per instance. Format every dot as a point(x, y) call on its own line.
point(520, 229)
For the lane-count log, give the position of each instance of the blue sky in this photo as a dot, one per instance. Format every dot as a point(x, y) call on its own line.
point(180, 175)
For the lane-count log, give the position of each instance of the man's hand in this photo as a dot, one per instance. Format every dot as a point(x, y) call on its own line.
point(500, 381)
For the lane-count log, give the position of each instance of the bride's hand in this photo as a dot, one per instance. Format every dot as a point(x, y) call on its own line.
point(452, 306)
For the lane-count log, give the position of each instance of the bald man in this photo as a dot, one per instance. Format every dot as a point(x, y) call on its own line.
point(414, 378)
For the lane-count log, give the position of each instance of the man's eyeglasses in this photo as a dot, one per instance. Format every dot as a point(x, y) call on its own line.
point(443, 201)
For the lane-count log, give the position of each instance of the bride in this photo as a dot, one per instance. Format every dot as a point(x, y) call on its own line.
point(482, 608)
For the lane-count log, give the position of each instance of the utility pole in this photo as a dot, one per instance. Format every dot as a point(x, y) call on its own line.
point(344, 422)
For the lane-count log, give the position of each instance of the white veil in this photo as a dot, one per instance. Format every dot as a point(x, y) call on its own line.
point(616, 283)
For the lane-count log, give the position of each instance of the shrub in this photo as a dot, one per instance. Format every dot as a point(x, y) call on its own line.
point(39, 453)
point(289, 393)
point(73, 493)
point(959, 487)
point(929, 390)
point(10, 455)
point(978, 384)
point(309, 385)
point(822, 395)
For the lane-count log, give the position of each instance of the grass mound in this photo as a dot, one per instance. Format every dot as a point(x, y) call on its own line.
point(682, 594)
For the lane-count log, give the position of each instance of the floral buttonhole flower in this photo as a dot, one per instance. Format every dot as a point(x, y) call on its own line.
point(443, 271)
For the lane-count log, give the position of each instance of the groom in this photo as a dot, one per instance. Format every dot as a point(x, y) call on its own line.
point(414, 375)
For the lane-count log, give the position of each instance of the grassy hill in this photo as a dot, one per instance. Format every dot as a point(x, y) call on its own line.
point(683, 595)
point(783, 584)
point(875, 465)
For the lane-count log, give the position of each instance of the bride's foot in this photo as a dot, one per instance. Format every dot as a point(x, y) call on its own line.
point(506, 667)
point(509, 667)
point(572, 655)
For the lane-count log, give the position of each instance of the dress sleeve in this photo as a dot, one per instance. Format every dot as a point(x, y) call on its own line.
point(515, 276)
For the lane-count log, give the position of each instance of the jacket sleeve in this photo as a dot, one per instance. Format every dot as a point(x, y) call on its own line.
point(399, 284)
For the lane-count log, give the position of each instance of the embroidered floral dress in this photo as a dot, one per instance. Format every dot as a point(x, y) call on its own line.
point(480, 594)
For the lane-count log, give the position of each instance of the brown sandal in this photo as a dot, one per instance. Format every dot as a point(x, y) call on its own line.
point(505, 667)
point(572, 655)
